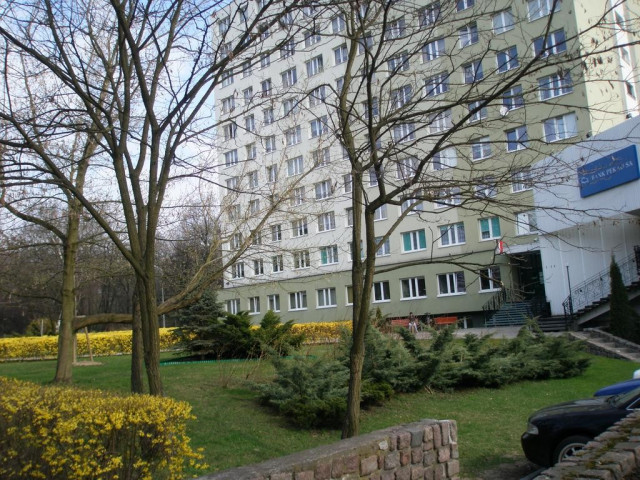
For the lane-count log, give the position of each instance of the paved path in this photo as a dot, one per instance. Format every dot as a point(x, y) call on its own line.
point(495, 332)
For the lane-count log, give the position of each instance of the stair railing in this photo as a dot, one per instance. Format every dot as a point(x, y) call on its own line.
point(598, 286)
point(501, 297)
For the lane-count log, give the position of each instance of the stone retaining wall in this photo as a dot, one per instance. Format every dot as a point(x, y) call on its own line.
point(425, 450)
point(613, 455)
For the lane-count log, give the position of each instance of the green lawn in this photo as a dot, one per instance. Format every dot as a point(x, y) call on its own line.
point(234, 430)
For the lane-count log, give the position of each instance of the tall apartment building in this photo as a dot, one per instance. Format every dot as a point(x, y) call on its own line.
point(474, 93)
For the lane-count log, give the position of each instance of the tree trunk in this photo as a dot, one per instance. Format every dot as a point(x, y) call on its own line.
point(137, 383)
point(151, 336)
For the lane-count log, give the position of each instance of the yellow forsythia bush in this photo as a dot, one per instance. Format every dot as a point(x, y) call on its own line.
point(321, 332)
point(64, 433)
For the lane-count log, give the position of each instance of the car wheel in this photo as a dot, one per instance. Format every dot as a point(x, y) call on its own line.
point(569, 446)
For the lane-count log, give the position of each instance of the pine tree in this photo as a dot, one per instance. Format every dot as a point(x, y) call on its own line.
point(624, 321)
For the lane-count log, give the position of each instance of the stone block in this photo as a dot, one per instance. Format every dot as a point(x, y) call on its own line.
point(439, 471)
point(445, 428)
point(625, 460)
point(437, 436)
point(374, 476)
point(393, 442)
point(428, 434)
point(388, 475)
point(416, 455)
point(306, 475)
point(368, 465)
point(405, 457)
point(338, 467)
point(429, 458)
point(323, 471)
point(403, 474)
point(392, 460)
point(281, 476)
point(454, 451)
point(352, 463)
point(404, 440)
point(596, 474)
point(416, 436)
point(428, 473)
point(453, 468)
point(417, 472)
point(444, 454)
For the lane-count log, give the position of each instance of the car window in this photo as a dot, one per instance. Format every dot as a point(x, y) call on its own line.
point(630, 399)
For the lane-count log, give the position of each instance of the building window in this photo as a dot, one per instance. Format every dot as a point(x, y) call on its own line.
point(365, 43)
point(228, 104)
point(452, 234)
point(395, 29)
point(399, 97)
point(489, 228)
point(321, 157)
point(323, 189)
point(234, 212)
point(480, 148)
point(468, 35)
point(381, 291)
point(314, 66)
point(231, 158)
point(340, 54)
point(329, 255)
point(448, 197)
point(490, 279)
point(436, 85)
point(553, 44)
point(277, 264)
point(252, 178)
point(250, 123)
point(233, 306)
point(507, 59)
point(541, 8)
point(440, 122)
point(348, 183)
point(517, 139)
point(319, 126)
point(526, 222)
point(429, 14)
point(380, 213)
point(413, 287)
point(373, 177)
point(477, 111)
point(254, 206)
point(299, 227)
point(326, 222)
point(232, 183)
point(237, 270)
point(338, 24)
point(236, 241)
point(560, 128)
point(227, 78)
point(289, 77)
point(407, 168)
point(521, 180)
point(503, 21)
point(512, 98)
point(326, 297)
point(486, 188)
point(464, 4)
point(273, 301)
point(555, 85)
point(311, 37)
point(298, 300)
point(276, 233)
point(398, 63)
point(229, 131)
point(290, 106)
point(266, 87)
point(293, 136)
point(349, 295)
point(631, 91)
point(301, 259)
point(317, 96)
point(349, 213)
point(247, 95)
point(352, 252)
point(298, 196)
point(403, 132)
point(272, 173)
point(451, 284)
point(414, 241)
point(254, 305)
point(433, 50)
point(268, 116)
point(265, 60)
point(384, 247)
point(289, 48)
point(472, 72)
point(412, 204)
point(295, 166)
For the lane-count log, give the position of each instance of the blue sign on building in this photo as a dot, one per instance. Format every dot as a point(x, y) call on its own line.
point(608, 172)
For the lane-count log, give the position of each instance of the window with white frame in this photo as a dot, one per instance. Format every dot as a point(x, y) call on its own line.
point(472, 72)
point(403, 132)
point(265, 61)
point(560, 128)
point(297, 197)
point(440, 122)
point(503, 21)
point(517, 139)
point(486, 188)
point(526, 222)
point(400, 97)
point(347, 181)
point(235, 241)
point(555, 85)
point(289, 48)
point(326, 297)
point(373, 177)
point(631, 90)
point(225, 49)
point(247, 95)
point(299, 227)
point(381, 291)
point(451, 284)
point(258, 266)
point(317, 96)
point(446, 158)
point(349, 293)
point(233, 306)
point(352, 252)
point(541, 8)
point(250, 123)
point(276, 233)
point(464, 4)
point(229, 131)
point(231, 158)
point(254, 206)
point(254, 305)
point(272, 173)
point(552, 44)
point(326, 221)
point(384, 247)
point(478, 111)
point(311, 37)
point(329, 255)
point(268, 116)
point(349, 214)
point(429, 14)
point(413, 287)
point(512, 98)
point(365, 43)
point(223, 26)
point(228, 104)
point(340, 54)
point(298, 300)
point(407, 167)
point(468, 35)
point(234, 212)
point(489, 228)
point(414, 241)
point(395, 29)
point(436, 84)
point(433, 50)
point(480, 148)
point(314, 66)
point(380, 213)
point(227, 78)
point(237, 270)
point(264, 31)
point(338, 24)
point(318, 126)
point(321, 157)
point(398, 63)
point(323, 189)
point(293, 136)
point(274, 198)
point(246, 69)
point(277, 264)
point(232, 183)
point(448, 197)
point(257, 238)
point(266, 87)
point(413, 204)
point(452, 234)
point(490, 279)
point(273, 302)
point(252, 178)
point(507, 59)
point(295, 166)
point(301, 259)
point(521, 180)
point(289, 77)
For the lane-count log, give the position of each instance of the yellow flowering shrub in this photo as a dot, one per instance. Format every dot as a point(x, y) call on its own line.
point(321, 332)
point(64, 433)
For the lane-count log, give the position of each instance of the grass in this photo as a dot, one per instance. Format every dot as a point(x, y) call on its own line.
point(234, 430)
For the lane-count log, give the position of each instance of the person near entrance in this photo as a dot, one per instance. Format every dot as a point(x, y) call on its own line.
point(413, 323)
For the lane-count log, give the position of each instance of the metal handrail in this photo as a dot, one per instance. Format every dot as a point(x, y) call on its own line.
point(598, 286)
point(505, 295)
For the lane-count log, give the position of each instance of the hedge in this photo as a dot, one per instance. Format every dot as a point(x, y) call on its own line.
point(64, 433)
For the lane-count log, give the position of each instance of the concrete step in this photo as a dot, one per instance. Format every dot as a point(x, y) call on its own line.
point(603, 345)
